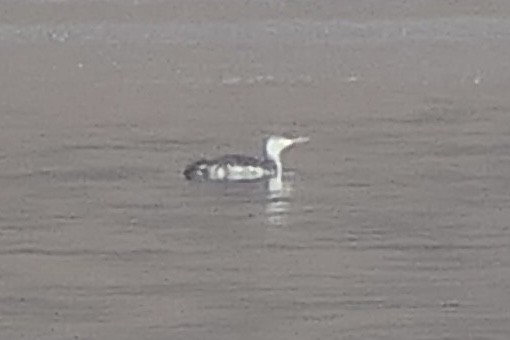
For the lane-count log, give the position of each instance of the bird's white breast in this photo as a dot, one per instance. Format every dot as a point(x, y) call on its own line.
point(237, 172)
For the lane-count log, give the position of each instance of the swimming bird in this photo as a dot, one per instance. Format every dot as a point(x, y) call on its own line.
point(240, 168)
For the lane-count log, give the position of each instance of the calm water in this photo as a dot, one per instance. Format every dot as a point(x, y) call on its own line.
point(393, 225)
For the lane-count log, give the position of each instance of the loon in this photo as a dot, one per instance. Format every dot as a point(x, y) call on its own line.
point(239, 168)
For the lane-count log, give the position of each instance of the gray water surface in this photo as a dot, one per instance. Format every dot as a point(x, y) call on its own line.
point(394, 224)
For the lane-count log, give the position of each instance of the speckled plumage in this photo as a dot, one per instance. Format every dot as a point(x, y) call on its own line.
point(242, 168)
point(231, 168)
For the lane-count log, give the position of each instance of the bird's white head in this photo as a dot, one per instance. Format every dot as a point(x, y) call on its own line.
point(274, 145)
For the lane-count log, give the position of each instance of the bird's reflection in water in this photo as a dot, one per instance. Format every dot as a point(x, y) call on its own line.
point(278, 203)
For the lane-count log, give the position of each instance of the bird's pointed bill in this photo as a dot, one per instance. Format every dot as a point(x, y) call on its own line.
point(300, 140)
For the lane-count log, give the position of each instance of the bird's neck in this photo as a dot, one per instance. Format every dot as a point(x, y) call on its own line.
point(277, 161)
point(279, 168)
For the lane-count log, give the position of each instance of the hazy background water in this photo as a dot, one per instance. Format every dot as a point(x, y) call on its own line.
point(394, 225)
